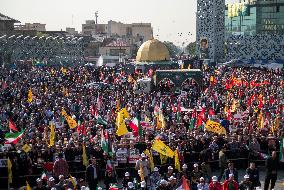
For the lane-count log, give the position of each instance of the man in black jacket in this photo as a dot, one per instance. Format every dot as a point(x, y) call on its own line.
point(272, 163)
point(253, 173)
point(92, 174)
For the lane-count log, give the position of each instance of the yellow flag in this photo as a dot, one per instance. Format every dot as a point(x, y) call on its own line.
point(161, 122)
point(52, 135)
point(65, 91)
point(117, 105)
point(160, 147)
point(26, 148)
point(10, 174)
point(124, 113)
point(151, 160)
point(30, 95)
point(84, 156)
point(177, 163)
point(63, 70)
point(188, 67)
point(73, 182)
point(121, 130)
point(260, 122)
point(230, 12)
point(215, 127)
point(163, 159)
point(234, 106)
point(28, 186)
point(141, 172)
point(71, 122)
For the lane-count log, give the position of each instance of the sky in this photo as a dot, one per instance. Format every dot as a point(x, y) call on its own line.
point(169, 18)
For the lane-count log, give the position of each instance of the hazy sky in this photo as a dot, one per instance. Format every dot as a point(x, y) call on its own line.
point(168, 17)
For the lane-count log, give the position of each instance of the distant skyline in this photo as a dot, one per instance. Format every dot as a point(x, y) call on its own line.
point(171, 20)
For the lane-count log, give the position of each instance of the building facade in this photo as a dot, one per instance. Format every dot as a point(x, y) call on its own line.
point(254, 17)
point(32, 26)
point(6, 24)
point(210, 31)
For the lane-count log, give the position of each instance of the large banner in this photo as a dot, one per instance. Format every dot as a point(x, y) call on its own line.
point(204, 48)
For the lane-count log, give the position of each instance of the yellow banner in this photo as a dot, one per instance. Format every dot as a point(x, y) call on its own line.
point(160, 147)
point(215, 127)
point(30, 95)
point(26, 148)
point(52, 135)
point(71, 122)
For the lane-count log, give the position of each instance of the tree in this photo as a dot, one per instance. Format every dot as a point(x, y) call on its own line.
point(191, 48)
point(173, 49)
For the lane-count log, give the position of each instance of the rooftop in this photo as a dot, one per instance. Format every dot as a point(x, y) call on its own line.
point(6, 18)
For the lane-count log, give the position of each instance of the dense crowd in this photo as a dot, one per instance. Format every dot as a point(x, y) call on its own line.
point(247, 102)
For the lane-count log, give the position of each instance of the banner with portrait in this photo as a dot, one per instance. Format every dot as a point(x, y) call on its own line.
point(204, 48)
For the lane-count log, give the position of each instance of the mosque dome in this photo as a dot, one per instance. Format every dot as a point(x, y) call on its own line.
point(151, 51)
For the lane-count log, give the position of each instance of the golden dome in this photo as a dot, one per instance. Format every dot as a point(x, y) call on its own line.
point(152, 50)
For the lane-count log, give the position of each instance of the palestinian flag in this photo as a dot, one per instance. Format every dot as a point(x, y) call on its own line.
point(136, 127)
point(113, 187)
point(13, 138)
point(104, 140)
point(281, 155)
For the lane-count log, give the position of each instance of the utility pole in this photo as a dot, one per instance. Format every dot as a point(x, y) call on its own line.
point(96, 15)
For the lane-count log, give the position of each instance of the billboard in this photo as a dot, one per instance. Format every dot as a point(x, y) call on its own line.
point(204, 48)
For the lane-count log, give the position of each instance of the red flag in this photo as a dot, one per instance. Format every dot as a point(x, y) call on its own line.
point(12, 126)
point(150, 72)
point(92, 110)
point(185, 184)
point(200, 118)
point(211, 112)
point(174, 108)
point(260, 100)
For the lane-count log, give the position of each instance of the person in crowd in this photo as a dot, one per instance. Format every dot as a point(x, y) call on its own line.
point(195, 176)
point(60, 167)
point(231, 170)
point(39, 185)
point(169, 173)
point(246, 184)
point(202, 185)
point(155, 178)
point(215, 184)
point(272, 165)
point(126, 180)
point(253, 173)
point(92, 174)
point(109, 179)
point(144, 164)
point(222, 162)
point(230, 183)
point(163, 185)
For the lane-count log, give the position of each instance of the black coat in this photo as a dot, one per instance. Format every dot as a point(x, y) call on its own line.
point(90, 173)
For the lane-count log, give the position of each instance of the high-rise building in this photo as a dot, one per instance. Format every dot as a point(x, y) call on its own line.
point(254, 17)
point(210, 30)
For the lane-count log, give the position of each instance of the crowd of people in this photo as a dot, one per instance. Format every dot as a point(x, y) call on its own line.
point(246, 102)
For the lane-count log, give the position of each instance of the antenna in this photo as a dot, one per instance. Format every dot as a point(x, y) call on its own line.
point(96, 15)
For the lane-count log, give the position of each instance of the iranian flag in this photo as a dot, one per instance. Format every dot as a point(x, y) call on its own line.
point(13, 138)
point(282, 151)
point(136, 127)
point(104, 140)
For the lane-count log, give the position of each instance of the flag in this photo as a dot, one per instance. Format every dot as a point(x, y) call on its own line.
point(92, 110)
point(71, 122)
point(13, 138)
point(160, 147)
point(215, 127)
point(184, 185)
point(104, 140)
point(163, 159)
point(260, 122)
point(73, 182)
point(151, 160)
point(136, 127)
point(281, 155)
point(12, 125)
point(28, 186)
point(230, 12)
point(113, 187)
point(122, 130)
point(124, 113)
point(101, 121)
point(26, 148)
point(161, 120)
point(141, 172)
point(30, 95)
point(84, 156)
point(52, 135)
point(177, 162)
point(10, 174)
